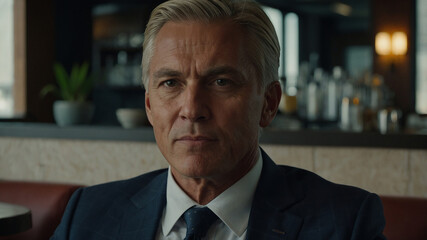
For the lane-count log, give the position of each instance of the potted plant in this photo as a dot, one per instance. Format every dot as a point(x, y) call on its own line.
point(73, 90)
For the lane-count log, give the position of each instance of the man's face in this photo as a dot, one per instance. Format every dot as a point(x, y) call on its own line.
point(203, 99)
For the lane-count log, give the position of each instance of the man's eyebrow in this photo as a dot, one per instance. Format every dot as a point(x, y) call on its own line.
point(214, 71)
point(222, 70)
point(166, 72)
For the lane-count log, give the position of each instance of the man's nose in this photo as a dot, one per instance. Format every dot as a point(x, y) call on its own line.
point(195, 106)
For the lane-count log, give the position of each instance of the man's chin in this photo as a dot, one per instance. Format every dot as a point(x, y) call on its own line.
point(192, 173)
point(197, 155)
point(195, 167)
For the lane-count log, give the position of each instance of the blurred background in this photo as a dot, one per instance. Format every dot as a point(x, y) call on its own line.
point(351, 65)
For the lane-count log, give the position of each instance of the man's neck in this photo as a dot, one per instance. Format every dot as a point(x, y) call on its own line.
point(204, 190)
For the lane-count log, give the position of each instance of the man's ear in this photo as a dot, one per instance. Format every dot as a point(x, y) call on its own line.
point(148, 107)
point(272, 96)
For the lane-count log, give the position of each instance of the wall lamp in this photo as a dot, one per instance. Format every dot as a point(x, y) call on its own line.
point(386, 44)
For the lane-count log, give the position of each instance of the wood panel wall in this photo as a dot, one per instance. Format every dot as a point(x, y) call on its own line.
point(391, 16)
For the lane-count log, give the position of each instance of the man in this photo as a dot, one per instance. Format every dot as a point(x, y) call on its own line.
point(210, 73)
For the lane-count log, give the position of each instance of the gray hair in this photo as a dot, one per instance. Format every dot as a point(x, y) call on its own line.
point(263, 45)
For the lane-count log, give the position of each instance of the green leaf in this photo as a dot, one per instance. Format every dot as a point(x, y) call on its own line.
point(75, 86)
point(82, 76)
point(49, 89)
point(62, 79)
point(86, 87)
point(73, 81)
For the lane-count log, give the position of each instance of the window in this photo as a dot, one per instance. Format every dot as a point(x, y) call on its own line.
point(12, 58)
point(421, 58)
point(291, 50)
point(276, 17)
point(6, 58)
point(288, 34)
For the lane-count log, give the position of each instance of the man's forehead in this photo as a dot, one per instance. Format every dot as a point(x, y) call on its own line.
point(194, 37)
point(198, 30)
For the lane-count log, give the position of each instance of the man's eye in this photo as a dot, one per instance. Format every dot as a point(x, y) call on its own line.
point(222, 81)
point(169, 83)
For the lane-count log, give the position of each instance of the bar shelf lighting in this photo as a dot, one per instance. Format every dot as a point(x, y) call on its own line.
point(399, 43)
point(395, 43)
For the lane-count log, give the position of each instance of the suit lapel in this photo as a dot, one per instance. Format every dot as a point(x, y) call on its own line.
point(269, 218)
point(142, 214)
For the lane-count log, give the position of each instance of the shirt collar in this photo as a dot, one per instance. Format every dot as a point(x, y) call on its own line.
point(234, 214)
point(177, 202)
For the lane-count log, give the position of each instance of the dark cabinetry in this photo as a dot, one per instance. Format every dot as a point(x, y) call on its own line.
point(118, 33)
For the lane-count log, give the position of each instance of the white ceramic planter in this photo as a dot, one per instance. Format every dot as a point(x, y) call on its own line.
point(72, 113)
point(131, 117)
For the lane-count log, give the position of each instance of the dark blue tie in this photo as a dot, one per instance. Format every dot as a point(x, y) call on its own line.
point(198, 222)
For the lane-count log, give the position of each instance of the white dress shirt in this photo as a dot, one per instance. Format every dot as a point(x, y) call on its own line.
point(232, 207)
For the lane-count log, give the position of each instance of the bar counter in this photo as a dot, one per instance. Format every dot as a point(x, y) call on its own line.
point(334, 138)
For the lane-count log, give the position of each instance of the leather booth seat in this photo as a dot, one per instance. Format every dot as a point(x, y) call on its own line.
point(406, 218)
point(47, 202)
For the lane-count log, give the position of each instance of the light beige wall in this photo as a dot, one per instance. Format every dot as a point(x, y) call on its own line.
point(384, 171)
point(399, 172)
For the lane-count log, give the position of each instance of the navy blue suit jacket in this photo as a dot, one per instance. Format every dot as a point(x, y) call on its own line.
point(289, 203)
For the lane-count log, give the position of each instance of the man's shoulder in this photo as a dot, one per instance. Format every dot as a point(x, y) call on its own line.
point(303, 184)
point(327, 210)
point(92, 208)
point(127, 187)
point(317, 188)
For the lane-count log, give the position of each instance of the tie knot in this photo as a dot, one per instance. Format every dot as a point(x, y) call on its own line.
point(198, 222)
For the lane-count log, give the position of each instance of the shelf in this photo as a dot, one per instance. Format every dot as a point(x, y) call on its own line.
point(276, 137)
